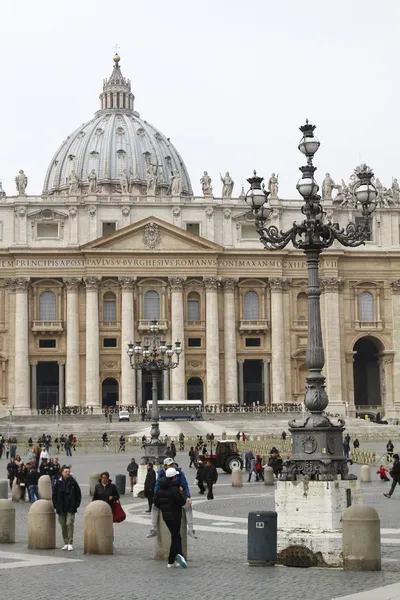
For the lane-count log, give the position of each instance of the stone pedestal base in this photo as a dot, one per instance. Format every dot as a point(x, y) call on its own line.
point(163, 539)
point(310, 520)
point(138, 489)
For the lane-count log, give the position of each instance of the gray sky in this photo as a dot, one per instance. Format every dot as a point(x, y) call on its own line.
point(228, 81)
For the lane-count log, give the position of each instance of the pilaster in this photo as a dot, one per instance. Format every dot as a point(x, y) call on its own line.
point(178, 377)
point(231, 382)
point(211, 285)
point(92, 341)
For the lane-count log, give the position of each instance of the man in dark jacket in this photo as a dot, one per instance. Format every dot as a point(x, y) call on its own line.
point(149, 485)
point(66, 501)
point(170, 501)
point(132, 471)
point(210, 477)
point(200, 477)
point(395, 475)
point(32, 483)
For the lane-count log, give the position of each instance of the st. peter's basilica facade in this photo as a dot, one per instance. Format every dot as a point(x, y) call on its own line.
point(118, 239)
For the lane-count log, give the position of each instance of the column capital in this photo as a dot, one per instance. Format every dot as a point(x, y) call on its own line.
point(331, 284)
point(18, 284)
point(72, 283)
point(229, 283)
point(127, 283)
point(61, 363)
point(176, 283)
point(211, 283)
point(395, 286)
point(92, 283)
point(279, 283)
point(34, 363)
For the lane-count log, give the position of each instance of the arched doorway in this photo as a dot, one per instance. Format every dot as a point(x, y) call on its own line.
point(109, 392)
point(367, 383)
point(195, 389)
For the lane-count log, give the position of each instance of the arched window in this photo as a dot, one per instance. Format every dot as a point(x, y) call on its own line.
point(366, 307)
point(152, 305)
point(302, 307)
point(193, 307)
point(251, 308)
point(109, 307)
point(47, 306)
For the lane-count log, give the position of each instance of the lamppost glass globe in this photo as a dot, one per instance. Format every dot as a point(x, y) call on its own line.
point(154, 327)
point(137, 348)
point(169, 352)
point(307, 187)
point(130, 350)
point(163, 347)
point(178, 348)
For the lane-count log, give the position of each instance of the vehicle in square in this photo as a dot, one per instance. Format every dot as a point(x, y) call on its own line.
point(225, 456)
point(123, 415)
point(189, 410)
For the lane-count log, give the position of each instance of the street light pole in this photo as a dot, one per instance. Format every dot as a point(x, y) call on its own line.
point(155, 359)
point(317, 442)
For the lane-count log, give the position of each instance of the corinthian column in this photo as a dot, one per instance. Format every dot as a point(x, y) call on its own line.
point(178, 333)
point(333, 363)
point(72, 375)
point(128, 379)
point(212, 340)
point(92, 341)
point(20, 286)
point(395, 287)
point(231, 382)
point(277, 285)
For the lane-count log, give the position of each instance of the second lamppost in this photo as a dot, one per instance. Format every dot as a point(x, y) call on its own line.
point(317, 441)
point(154, 358)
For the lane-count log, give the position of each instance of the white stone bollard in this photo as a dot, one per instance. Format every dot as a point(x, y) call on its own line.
point(365, 474)
point(138, 490)
point(98, 528)
point(15, 491)
point(7, 522)
point(42, 526)
point(361, 536)
point(93, 481)
point(269, 476)
point(163, 539)
point(44, 485)
point(237, 478)
point(4, 488)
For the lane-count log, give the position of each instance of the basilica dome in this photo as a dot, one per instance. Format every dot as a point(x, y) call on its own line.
point(117, 151)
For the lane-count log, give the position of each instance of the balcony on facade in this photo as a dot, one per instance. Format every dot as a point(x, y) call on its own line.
point(144, 324)
point(47, 326)
point(368, 325)
point(110, 324)
point(253, 326)
point(195, 324)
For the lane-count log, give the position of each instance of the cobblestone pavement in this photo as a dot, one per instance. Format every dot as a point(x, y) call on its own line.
point(217, 560)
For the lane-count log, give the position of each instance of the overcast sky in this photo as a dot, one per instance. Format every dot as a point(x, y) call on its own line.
point(228, 81)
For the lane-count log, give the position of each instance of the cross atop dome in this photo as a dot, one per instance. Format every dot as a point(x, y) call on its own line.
point(116, 92)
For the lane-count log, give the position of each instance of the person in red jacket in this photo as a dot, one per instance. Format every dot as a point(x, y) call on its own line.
point(382, 472)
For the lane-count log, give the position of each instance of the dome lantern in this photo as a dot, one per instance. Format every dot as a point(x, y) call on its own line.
point(116, 92)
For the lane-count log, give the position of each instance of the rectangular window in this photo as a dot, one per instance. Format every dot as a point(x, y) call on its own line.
point(109, 342)
point(109, 228)
point(248, 232)
point(253, 342)
point(47, 230)
point(47, 343)
point(194, 342)
point(193, 228)
point(360, 221)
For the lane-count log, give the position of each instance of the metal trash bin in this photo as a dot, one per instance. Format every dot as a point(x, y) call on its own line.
point(262, 538)
point(120, 482)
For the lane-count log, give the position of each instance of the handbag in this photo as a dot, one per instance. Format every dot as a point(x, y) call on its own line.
point(118, 512)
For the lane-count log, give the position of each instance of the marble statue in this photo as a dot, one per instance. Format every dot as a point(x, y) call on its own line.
point(328, 185)
point(2, 192)
point(21, 181)
point(160, 175)
point(228, 184)
point(151, 180)
point(206, 186)
point(73, 183)
point(396, 191)
point(176, 184)
point(273, 185)
point(92, 177)
point(124, 182)
point(380, 191)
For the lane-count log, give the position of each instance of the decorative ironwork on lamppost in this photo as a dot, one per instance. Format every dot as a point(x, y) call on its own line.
point(317, 441)
point(154, 358)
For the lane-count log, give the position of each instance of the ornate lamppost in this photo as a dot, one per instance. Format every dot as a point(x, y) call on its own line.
point(154, 358)
point(317, 441)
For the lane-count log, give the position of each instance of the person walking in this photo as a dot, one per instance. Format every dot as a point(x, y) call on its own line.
point(32, 483)
point(346, 446)
point(66, 498)
point(132, 469)
point(200, 477)
point(22, 475)
point(12, 469)
point(104, 437)
point(252, 469)
point(106, 490)
point(67, 446)
point(394, 474)
point(170, 501)
point(210, 478)
point(192, 457)
point(389, 449)
point(149, 485)
point(173, 450)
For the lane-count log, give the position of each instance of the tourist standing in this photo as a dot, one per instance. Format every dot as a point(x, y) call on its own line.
point(210, 478)
point(106, 490)
point(192, 457)
point(12, 469)
point(67, 446)
point(170, 501)
point(346, 446)
point(149, 485)
point(173, 450)
point(389, 449)
point(200, 477)
point(32, 483)
point(66, 501)
point(132, 469)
